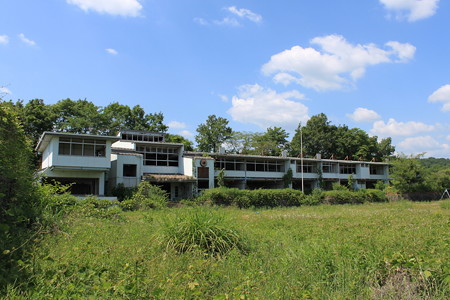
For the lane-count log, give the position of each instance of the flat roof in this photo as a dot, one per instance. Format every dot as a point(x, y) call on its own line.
point(45, 138)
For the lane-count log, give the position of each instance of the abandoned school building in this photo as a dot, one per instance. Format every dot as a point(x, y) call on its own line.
point(95, 164)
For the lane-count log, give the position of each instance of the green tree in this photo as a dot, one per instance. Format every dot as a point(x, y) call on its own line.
point(37, 117)
point(408, 175)
point(79, 116)
point(242, 142)
point(341, 142)
point(176, 138)
point(318, 137)
point(272, 142)
point(212, 134)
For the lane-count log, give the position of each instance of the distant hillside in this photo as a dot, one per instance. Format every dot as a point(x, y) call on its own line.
point(435, 163)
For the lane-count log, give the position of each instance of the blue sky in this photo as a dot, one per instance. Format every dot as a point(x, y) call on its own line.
point(379, 65)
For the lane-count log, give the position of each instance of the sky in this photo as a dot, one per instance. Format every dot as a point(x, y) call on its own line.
point(379, 65)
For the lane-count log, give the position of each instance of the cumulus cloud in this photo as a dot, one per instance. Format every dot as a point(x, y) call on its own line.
point(4, 39)
point(245, 13)
point(27, 41)
point(336, 63)
point(265, 107)
point(112, 51)
point(442, 94)
point(364, 115)
point(126, 8)
point(177, 125)
point(412, 10)
point(421, 144)
point(4, 90)
point(394, 128)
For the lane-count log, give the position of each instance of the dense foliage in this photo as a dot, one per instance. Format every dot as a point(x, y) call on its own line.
point(212, 134)
point(340, 142)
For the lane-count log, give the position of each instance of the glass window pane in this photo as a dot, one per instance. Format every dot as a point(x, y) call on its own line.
point(88, 150)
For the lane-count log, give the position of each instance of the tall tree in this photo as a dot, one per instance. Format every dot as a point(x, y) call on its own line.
point(212, 133)
point(272, 142)
point(408, 174)
point(37, 118)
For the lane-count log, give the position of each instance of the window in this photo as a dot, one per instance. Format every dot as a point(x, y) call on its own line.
point(159, 156)
point(129, 170)
point(145, 137)
point(376, 170)
point(347, 169)
point(265, 166)
point(82, 147)
point(329, 167)
point(308, 167)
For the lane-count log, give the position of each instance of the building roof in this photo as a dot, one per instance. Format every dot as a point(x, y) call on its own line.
point(45, 138)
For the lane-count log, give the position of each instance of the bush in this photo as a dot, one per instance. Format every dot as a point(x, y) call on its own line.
point(373, 195)
point(342, 197)
point(122, 192)
point(147, 196)
point(256, 198)
point(203, 230)
point(274, 198)
point(315, 198)
point(98, 208)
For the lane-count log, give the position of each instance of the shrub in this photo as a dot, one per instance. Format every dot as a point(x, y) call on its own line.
point(315, 198)
point(147, 196)
point(203, 230)
point(342, 197)
point(122, 192)
point(99, 208)
point(257, 198)
point(275, 197)
point(373, 195)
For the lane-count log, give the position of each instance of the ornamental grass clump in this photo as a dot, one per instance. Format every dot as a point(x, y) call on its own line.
point(203, 230)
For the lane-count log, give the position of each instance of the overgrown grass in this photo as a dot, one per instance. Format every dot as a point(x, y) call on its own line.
point(368, 251)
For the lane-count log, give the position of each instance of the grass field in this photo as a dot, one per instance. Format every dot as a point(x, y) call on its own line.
point(395, 250)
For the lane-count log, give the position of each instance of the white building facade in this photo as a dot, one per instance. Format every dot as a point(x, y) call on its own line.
point(96, 164)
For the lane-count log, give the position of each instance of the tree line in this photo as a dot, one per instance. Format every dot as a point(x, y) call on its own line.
point(319, 136)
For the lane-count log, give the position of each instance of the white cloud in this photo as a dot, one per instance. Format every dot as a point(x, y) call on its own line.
point(112, 51)
point(224, 98)
point(245, 13)
point(227, 22)
point(4, 39)
point(265, 107)
point(27, 41)
point(4, 90)
point(335, 65)
point(427, 144)
point(186, 133)
point(394, 128)
point(240, 13)
point(442, 94)
point(364, 115)
point(126, 8)
point(412, 10)
point(201, 21)
point(177, 125)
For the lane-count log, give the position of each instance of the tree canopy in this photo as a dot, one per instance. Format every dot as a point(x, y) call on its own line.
point(340, 142)
point(212, 134)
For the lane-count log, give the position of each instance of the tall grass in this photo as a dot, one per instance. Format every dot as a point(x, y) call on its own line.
point(368, 251)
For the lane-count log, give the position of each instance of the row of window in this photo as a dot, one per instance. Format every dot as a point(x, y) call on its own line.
point(333, 167)
point(82, 147)
point(142, 137)
point(255, 165)
point(158, 156)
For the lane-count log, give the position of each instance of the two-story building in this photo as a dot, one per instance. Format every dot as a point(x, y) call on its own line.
point(96, 164)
